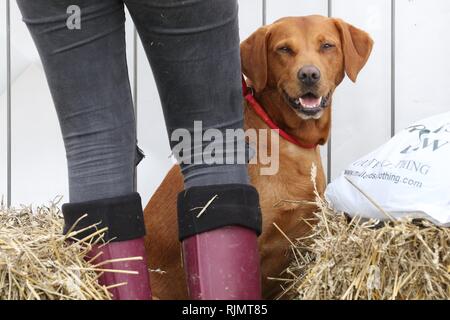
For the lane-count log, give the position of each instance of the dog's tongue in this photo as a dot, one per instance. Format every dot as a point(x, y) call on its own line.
point(309, 101)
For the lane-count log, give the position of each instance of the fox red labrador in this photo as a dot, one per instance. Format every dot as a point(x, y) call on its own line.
point(294, 66)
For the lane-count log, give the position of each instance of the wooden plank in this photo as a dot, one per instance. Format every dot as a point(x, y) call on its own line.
point(422, 59)
point(39, 171)
point(152, 134)
point(361, 111)
point(250, 17)
point(3, 122)
point(282, 8)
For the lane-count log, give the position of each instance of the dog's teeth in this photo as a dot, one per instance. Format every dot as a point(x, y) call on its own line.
point(309, 104)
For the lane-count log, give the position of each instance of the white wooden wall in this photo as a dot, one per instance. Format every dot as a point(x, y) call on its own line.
point(364, 115)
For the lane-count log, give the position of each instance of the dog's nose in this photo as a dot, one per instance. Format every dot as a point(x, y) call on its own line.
point(309, 75)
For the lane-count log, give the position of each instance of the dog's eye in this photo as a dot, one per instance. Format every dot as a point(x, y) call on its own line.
point(327, 46)
point(285, 49)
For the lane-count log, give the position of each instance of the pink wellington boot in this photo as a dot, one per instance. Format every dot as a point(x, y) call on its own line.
point(124, 238)
point(124, 286)
point(223, 264)
point(219, 226)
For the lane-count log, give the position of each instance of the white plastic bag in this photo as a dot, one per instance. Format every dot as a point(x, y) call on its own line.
point(408, 176)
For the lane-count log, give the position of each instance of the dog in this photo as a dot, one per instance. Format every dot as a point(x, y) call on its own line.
point(294, 66)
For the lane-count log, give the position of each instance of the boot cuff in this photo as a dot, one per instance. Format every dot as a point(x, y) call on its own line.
point(202, 209)
point(123, 216)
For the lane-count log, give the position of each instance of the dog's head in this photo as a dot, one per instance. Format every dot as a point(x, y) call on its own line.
point(305, 59)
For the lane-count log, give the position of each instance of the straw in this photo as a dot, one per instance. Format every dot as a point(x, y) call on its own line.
point(356, 259)
point(38, 262)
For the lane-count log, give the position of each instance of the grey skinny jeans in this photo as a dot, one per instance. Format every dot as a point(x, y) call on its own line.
point(193, 49)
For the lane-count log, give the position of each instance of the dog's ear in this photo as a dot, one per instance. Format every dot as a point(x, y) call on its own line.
point(356, 45)
point(254, 58)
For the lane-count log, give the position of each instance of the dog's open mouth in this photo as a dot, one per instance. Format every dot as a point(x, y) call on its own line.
point(309, 104)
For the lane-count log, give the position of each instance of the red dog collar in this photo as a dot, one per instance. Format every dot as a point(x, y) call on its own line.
point(248, 96)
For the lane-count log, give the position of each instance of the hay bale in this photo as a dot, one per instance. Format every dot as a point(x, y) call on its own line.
point(343, 259)
point(37, 261)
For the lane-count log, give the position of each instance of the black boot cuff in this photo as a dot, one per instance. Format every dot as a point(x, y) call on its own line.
point(123, 216)
point(202, 209)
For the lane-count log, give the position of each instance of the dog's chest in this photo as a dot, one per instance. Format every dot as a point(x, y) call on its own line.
point(292, 181)
point(284, 196)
